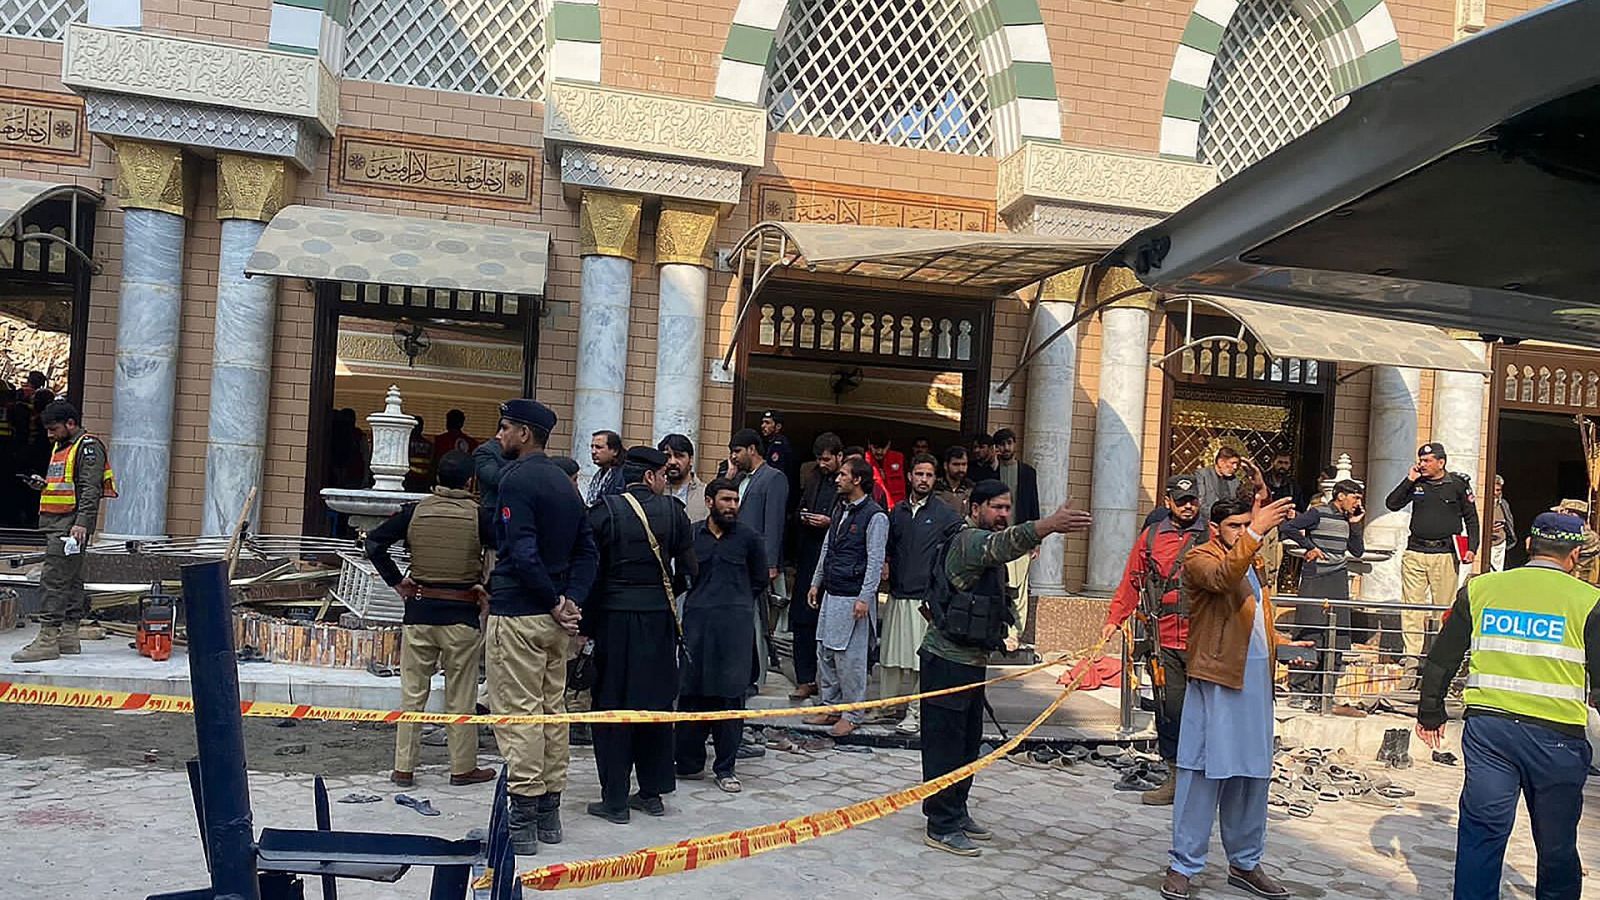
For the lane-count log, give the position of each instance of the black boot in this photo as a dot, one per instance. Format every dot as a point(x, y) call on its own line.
point(1401, 758)
point(549, 810)
point(1386, 751)
point(523, 825)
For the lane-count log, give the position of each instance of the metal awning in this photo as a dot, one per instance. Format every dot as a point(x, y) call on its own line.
point(373, 248)
point(18, 195)
point(1460, 191)
point(993, 264)
point(1295, 333)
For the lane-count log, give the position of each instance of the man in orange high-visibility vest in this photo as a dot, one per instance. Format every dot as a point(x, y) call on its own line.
point(69, 503)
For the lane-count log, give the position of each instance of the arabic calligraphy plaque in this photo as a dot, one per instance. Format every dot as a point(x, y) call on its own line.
point(42, 126)
point(784, 200)
point(409, 167)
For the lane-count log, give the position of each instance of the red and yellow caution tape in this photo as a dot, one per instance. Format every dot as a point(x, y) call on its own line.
point(90, 698)
point(715, 849)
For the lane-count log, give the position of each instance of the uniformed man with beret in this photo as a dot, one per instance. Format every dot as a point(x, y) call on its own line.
point(646, 549)
point(1441, 506)
point(542, 577)
point(69, 506)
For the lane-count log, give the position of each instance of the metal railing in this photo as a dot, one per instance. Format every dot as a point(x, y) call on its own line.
point(1360, 655)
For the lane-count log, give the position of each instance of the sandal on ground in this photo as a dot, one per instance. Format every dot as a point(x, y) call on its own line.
point(1395, 792)
point(729, 785)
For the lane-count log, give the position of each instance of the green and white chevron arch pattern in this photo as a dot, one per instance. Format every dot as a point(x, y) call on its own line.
point(1012, 44)
point(575, 40)
point(1357, 39)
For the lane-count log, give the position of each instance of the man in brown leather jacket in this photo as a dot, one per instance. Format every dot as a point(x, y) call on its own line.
point(1225, 742)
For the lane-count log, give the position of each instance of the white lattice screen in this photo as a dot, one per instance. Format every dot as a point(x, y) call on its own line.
point(1268, 86)
point(43, 19)
point(900, 72)
point(492, 47)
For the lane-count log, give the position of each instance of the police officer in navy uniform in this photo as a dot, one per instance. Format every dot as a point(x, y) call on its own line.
point(1442, 506)
point(1534, 633)
point(542, 576)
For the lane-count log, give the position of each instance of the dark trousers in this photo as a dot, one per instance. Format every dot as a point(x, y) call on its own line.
point(623, 749)
point(952, 731)
point(805, 651)
point(1505, 758)
point(1169, 700)
point(691, 736)
point(61, 583)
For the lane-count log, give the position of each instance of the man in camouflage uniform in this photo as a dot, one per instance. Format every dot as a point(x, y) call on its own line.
point(952, 725)
point(69, 504)
point(1589, 554)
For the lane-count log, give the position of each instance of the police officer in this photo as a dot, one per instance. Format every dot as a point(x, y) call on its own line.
point(69, 504)
point(970, 608)
point(1441, 505)
point(442, 593)
point(1534, 634)
point(646, 556)
point(542, 576)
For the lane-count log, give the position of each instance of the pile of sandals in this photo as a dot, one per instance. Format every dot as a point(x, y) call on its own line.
point(1136, 771)
point(1306, 776)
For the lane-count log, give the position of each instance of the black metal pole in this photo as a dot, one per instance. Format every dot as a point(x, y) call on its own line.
point(219, 732)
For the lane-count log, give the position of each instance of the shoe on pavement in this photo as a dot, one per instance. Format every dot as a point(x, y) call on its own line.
point(614, 816)
point(403, 779)
point(476, 776)
point(841, 728)
point(958, 843)
point(1349, 712)
point(1257, 882)
point(820, 719)
point(69, 644)
point(46, 646)
point(908, 725)
point(650, 806)
point(692, 776)
point(1166, 791)
point(1175, 886)
point(803, 691)
point(975, 831)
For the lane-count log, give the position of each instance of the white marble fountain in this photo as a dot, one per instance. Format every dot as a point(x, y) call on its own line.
point(391, 437)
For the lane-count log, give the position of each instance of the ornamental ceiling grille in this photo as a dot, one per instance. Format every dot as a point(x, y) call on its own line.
point(1268, 86)
point(494, 47)
point(43, 19)
point(899, 72)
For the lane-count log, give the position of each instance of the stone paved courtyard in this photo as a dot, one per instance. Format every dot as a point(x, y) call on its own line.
point(80, 826)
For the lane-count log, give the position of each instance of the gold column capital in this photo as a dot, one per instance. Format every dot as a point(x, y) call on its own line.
point(608, 224)
point(252, 187)
point(684, 231)
point(1061, 286)
point(1119, 279)
point(150, 176)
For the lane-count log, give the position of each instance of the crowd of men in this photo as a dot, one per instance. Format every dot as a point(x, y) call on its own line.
point(25, 447)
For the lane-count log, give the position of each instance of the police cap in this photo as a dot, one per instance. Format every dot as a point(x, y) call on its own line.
point(648, 457)
point(1432, 448)
point(988, 489)
point(529, 412)
point(774, 415)
point(1560, 527)
point(1180, 487)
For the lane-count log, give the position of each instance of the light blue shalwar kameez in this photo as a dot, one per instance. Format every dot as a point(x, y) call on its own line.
point(1225, 761)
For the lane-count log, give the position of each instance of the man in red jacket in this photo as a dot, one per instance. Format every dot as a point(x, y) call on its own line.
point(1150, 582)
point(888, 468)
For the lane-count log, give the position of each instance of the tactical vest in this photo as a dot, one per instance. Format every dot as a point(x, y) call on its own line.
point(1332, 536)
point(60, 494)
point(976, 617)
point(846, 566)
point(1527, 644)
point(1163, 591)
point(443, 539)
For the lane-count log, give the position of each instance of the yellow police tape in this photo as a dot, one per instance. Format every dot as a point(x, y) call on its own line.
point(86, 698)
point(711, 850)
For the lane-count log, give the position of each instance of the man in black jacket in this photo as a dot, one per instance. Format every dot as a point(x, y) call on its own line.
point(541, 579)
point(730, 580)
point(646, 556)
point(818, 497)
point(1442, 506)
point(1023, 482)
point(918, 527)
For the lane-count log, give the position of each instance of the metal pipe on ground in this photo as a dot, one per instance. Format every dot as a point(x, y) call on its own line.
point(219, 732)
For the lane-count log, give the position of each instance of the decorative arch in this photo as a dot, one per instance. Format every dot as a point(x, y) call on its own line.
point(575, 40)
point(1357, 39)
point(1012, 44)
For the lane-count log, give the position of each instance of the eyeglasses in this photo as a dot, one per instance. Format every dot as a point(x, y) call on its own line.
point(1186, 501)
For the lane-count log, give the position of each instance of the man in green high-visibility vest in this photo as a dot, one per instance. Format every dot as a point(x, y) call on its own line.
point(1534, 634)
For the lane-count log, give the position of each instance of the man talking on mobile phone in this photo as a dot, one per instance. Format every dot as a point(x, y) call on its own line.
point(1442, 506)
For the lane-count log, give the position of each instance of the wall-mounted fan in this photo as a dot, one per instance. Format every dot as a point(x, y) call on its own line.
point(843, 381)
point(412, 340)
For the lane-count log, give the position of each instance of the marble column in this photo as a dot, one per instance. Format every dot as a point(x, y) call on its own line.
point(1391, 451)
point(150, 189)
point(1118, 432)
point(609, 244)
point(250, 191)
point(684, 233)
point(1458, 399)
point(1051, 384)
